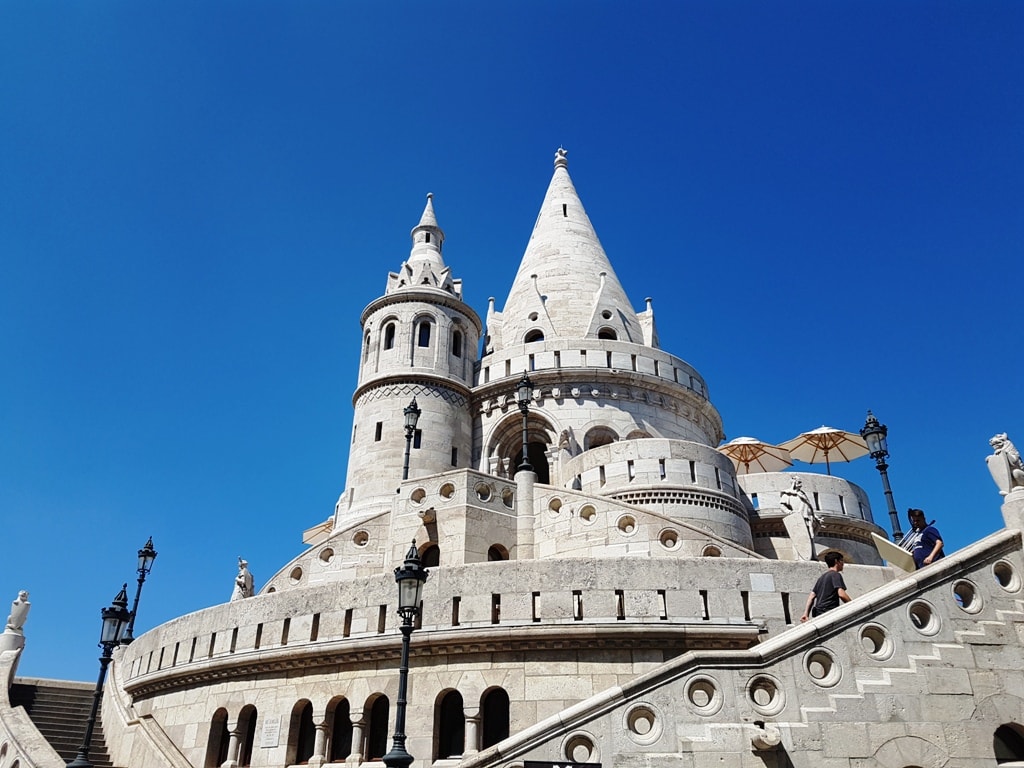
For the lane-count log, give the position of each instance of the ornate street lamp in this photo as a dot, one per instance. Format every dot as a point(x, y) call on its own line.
point(147, 555)
point(874, 435)
point(412, 417)
point(410, 577)
point(115, 618)
point(524, 392)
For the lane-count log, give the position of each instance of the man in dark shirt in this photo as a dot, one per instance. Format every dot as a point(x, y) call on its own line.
point(924, 541)
point(828, 590)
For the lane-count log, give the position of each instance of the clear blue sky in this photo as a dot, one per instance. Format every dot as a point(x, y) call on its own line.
point(197, 199)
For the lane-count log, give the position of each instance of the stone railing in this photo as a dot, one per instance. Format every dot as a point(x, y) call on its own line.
point(21, 743)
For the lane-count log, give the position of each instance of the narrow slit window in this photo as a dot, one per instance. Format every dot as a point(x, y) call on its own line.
point(785, 608)
point(565, 210)
point(487, 374)
point(346, 628)
point(423, 337)
point(693, 472)
point(259, 636)
point(427, 239)
point(608, 359)
point(455, 457)
point(745, 596)
point(601, 475)
point(718, 478)
point(577, 605)
point(455, 610)
point(508, 367)
point(536, 599)
point(630, 469)
point(704, 605)
point(213, 644)
point(816, 504)
point(389, 336)
point(657, 368)
point(174, 659)
point(842, 504)
point(663, 601)
point(558, 359)
point(382, 618)
point(417, 438)
point(234, 640)
point(495, 609)
point(378, 431)
point(192, 652)
point(285, 630)
point(620, 605)
point(533, 363)
point(457, 343)
point(314, 630)
point(583, 358)
point(661, 469)
point(632, 361)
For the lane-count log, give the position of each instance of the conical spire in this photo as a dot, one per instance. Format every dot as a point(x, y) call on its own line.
point(425, 267)
point(565, 287)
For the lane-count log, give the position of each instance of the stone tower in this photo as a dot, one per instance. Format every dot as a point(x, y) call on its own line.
point(419, 340)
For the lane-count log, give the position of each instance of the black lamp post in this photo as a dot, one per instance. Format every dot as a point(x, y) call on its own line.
point(146, 557)
point(412, 417)
point(115, 617)
point(524, 391)
point(410, 577)
point(874, 435)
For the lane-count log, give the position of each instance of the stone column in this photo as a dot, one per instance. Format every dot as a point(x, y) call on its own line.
point(356, 755)
point(524, 515)
point(234, 740)
point(1013, 509)
point(472, 743)
point(319, 756)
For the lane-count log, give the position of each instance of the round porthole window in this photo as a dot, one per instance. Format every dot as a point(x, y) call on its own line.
point(876, 642)
point(765, 695)
point(923, 617)
point(361, 538)
point(447, 491)
point(966, 596)
point(588, 514)
point(508, 497)
point(483, 492)
point(326, 555)
point(703, 695)
point(1006, 576)
point(296, 575)
point(643, 724)
point(418, 496)
point(822, 668)
point(579, 748)
point(626, 525)
point(669, 539)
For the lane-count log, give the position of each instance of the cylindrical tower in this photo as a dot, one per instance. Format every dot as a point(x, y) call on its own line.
point(419, 340)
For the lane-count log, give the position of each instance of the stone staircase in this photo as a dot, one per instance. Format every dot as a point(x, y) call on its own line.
point(59, 710)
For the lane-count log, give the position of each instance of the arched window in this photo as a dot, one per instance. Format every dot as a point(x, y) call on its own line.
point(599, 436)
point(497, 552)
point(301, 733)
point(377, 733)
point(341, 733)
point(423, 334)
point(535, 335)
point(247, 726)
point(431, 557)
point(494, 714)
point(607, 333)
point(1008, 744)
point(389, 336)
point(457, 343)
point(217, 743)
point(449, 726)
point(366, 346)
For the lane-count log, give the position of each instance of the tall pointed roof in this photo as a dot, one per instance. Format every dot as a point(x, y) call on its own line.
point(565, 287)
point(425, 267)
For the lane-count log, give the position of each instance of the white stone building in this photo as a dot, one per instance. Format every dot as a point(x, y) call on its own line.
point(630, 602)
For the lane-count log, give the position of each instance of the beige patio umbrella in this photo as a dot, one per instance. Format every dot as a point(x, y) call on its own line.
point(752, 455)
point(825, 444)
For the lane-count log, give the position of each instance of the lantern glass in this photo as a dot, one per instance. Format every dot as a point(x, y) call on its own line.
point(146, 557)
point(412, 415)
point(524, 390)
point(409, 591)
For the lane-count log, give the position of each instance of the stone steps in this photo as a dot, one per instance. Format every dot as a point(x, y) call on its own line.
point(60, 713)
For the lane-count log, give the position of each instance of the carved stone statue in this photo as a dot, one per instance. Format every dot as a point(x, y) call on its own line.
point(802, 521)
point(19, 613)
point(243, 582)
point(1005, 465)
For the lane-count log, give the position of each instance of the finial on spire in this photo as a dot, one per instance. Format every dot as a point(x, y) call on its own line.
point(430, 195)
point(561, 158)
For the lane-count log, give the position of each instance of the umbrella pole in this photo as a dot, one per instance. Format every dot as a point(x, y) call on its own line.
point(828, 467)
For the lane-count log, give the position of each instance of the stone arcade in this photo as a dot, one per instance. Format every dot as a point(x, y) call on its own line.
point(626, 603)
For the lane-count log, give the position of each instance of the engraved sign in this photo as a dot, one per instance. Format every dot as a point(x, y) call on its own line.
point(271, 732)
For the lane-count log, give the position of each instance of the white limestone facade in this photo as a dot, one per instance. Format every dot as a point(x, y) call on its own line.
point(630, 602)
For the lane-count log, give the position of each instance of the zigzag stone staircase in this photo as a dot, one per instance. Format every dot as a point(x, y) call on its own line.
point(59, 710)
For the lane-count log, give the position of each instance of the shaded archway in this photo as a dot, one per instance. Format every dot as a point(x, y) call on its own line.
point(247, 728)
point(377, 730)
point(494, 713)
point(301, 733)
point(339, 715)
point(1008, 744)
point(217, 742)
point(506, 443)
point(449, 726)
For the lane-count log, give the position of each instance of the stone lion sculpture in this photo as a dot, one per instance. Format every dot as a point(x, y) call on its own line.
point(1005, 465)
